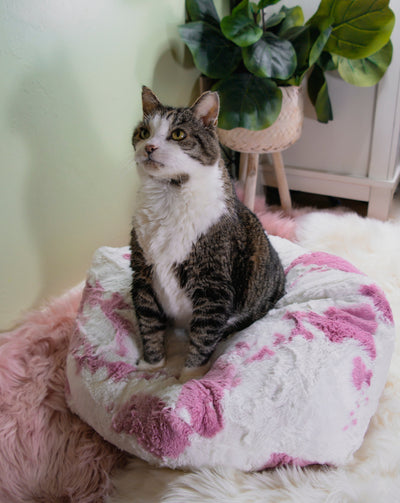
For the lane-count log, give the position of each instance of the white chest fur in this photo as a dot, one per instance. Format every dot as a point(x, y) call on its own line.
point(168, 221)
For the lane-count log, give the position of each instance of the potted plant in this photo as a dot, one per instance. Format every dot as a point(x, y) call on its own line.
point(252, 53)
point(257, 57)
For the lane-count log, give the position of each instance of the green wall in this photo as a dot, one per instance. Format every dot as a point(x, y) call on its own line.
point(71, 74)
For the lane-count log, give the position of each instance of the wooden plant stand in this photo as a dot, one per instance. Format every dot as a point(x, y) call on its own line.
point(285, 131)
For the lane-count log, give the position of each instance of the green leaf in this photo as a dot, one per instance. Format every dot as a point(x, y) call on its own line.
point(202, 10)
point(293, 17)
point(274, 20)
point(319, 96)
point(319, 45)
point(254, 8)
point(248, 101)
point(359, 28)
point(300, 38)
point(367, 71)
point(243, 7)
point(240, 27)
point(270, 57)
point(213, 54)
point(265, 3)
point(326, 62)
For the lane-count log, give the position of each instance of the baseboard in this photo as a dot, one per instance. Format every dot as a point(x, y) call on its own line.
point(378, 193)
point(319, 182)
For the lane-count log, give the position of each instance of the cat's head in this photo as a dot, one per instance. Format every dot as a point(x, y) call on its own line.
point(171, 143)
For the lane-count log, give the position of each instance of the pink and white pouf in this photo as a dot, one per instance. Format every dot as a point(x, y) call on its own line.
point(298, 386)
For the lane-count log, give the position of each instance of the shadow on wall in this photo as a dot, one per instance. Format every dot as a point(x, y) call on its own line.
point(167, 84)
point(71, 192)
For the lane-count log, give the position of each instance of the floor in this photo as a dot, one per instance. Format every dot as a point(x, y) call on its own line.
point(301, 199)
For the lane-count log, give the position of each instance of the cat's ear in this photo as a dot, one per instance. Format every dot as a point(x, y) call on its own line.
point(149, 100)
point(206, 108)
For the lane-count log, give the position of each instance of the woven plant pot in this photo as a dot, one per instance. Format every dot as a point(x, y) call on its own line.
point(285, 131)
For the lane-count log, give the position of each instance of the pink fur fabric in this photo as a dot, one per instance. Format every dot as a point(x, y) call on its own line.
point(47, 454)
point(273, 219)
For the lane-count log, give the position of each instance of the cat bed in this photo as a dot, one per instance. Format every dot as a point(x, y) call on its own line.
point(298, 386)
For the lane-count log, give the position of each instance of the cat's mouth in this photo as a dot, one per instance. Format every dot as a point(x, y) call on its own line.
point(152, 164)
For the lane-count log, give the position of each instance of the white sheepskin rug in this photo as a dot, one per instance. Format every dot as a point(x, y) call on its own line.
point(373, 475)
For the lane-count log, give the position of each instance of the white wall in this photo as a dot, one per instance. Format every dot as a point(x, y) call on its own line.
point(71, 73)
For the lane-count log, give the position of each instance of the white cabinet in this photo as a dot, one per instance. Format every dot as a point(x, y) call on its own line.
point(357, 155)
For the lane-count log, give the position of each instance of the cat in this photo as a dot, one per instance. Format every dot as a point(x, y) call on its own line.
point(199, 257)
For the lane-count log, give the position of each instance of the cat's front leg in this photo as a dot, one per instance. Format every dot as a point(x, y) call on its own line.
point(150, 316)
point(151, 323)
point(153, 352)
point(210, 316)
point(201, 347)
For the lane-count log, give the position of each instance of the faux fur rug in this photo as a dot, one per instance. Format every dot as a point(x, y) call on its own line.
point(49, 455)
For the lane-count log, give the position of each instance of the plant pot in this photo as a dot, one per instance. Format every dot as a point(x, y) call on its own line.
point(285, 131)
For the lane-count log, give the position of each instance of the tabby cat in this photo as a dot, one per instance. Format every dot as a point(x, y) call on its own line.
point(200, 258)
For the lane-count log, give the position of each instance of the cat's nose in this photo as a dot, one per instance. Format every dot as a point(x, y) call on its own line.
point(150, 148)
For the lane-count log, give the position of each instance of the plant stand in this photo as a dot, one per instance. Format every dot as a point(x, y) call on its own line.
point(285, 131)
point(248, 175)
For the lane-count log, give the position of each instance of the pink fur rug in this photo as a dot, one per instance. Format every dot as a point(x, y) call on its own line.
point(47, 454)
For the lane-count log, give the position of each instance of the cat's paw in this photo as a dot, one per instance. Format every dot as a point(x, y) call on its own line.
point(150, 367)
point(189, 373)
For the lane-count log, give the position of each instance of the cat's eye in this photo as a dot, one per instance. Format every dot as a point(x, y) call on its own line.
point(178, 134)
point(144, 133)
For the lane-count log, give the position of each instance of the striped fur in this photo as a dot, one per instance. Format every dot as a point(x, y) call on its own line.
point(200, 258)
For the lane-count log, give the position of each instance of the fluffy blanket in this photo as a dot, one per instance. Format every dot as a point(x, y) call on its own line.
point(48, 454)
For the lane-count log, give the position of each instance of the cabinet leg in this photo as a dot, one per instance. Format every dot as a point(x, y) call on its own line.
point(251, 181)
point(379, 203)
point(281, 180)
